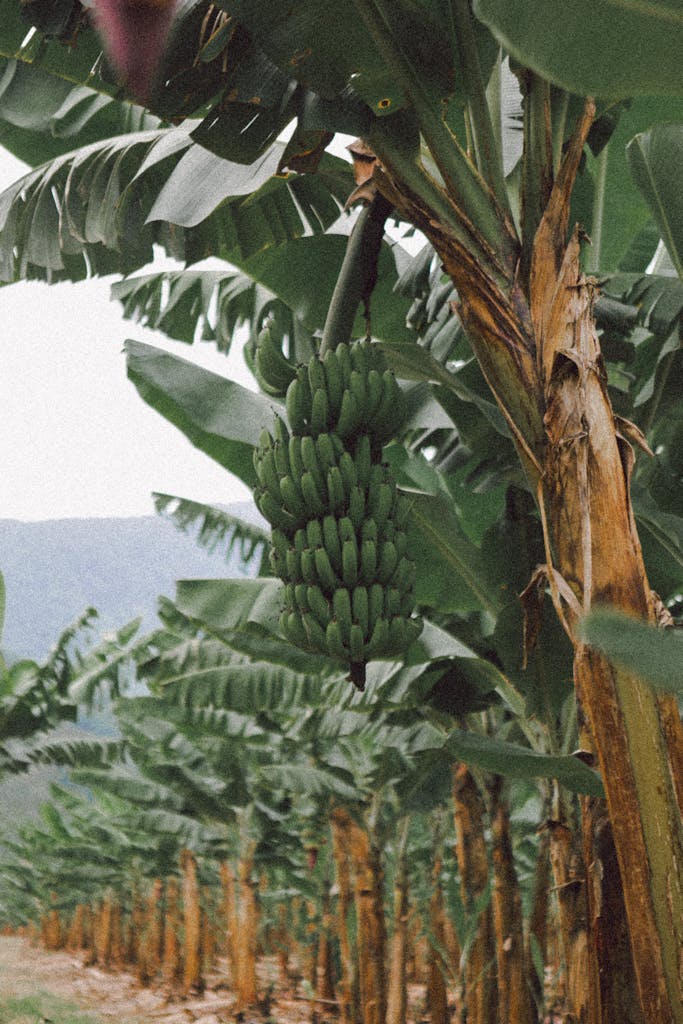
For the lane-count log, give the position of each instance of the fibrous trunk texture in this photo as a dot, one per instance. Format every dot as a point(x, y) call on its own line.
point(349, 1001)
point(397, 989)
point(171, 967)
point(193, 980)
point(246, 989)
point(481, 997)
point(514, 997)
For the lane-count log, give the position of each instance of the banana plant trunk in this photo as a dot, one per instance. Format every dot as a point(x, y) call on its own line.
point(246, 985)
point(480, 991)
point(193, 980)
point(171, 966)
point(397, 987)
point(349, 998)
point(514, 997)
point(528, 313)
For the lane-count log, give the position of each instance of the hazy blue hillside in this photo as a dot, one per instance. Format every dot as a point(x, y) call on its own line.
point(55, 569)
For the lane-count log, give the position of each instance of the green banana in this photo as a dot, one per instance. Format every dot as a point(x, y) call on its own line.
point(356, 507)
point(296, 461)
point(343, 354)
point(271, 510)
point(294, 404)
point(347, 530)
point(349, 416)
point(375, 604)
point(358, 388)
point(392, 602)
point(387, 561)
point(309, 569)
point(347, 468)
point(292, 500)
point(368, 530)
point(274, 367)
point(368, 561)
point(356, 643)
point(362, 458)
point(326, 577)
point(314, 533)
point(331, 542)
point(325, 450)
point(320, 412)
point(314, 631)
point(334, 641)
point(316, 375)
point(333, 381)
point(293, 563)
point(375, 390)
point(313, 500)
point(360, 608)
point(341, 609)
point(350, 563)
point(266, 471)
point(379, 639)
point(292, 626)
point(309, 457)
point(319, 605)
point(336, 495)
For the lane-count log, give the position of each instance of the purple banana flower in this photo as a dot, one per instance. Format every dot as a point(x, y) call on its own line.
point(135, 33)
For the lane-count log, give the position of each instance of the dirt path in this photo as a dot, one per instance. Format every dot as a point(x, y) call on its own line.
point(26, 970)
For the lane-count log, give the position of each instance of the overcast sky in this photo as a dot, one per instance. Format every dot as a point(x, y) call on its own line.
point(75, 437)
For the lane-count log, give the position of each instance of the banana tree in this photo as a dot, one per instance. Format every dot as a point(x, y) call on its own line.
point(421, 87)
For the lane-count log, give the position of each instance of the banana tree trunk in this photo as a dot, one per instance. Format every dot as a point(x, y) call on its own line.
point(193, 980)
point(367, 867)
point(227, 876)
point(537, 932)
point(349, 1001)
point(531, 326)
point(325, 966)
point(397, 988)
point(514, 998)
point(171, 967)
point(246, 986)
point(480, 995)
point(437, 995)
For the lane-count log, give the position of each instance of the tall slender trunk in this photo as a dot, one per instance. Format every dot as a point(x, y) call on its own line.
point(103, 930)
point(325, 966)
point(171, 967)
point(437, 996)
point(246, 987)
point(367, 867)
point(481, 998)
point(193, 980)
point(537, 934)
point(397, 988)
point(229, 916)
point(514, 997)
point(570, 888)
point(349, 1000)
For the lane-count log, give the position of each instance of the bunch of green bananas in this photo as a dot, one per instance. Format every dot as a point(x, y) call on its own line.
point(272, 369)
point(338, 538)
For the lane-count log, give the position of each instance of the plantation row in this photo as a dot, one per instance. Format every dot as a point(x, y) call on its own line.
point(240, 811)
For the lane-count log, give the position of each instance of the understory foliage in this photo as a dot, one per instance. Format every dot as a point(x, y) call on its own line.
point(443, 824)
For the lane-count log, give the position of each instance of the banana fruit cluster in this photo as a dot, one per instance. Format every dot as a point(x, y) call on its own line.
point(338, 536)
point(272, 369)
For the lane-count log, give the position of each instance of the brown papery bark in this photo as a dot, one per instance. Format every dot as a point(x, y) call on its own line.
point(538, 919)
point(397, 989)
point(171, 967)
point(325, 967)
point(193, 981)
point(367, 868)
point(514, 998)
point(481, 997)
point(437, 995)
point(103, 931)
point(229, 916)
point(246, 987)
point(349, 998)
point(570, 889)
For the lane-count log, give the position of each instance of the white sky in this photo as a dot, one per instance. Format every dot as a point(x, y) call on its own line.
point(75, 437)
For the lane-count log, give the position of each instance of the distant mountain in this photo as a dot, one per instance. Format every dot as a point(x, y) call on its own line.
point(55, 569)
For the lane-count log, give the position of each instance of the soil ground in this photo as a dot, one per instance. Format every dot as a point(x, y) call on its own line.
point(28, 971)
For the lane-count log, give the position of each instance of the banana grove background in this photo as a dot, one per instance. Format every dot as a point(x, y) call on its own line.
point(497, 816)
